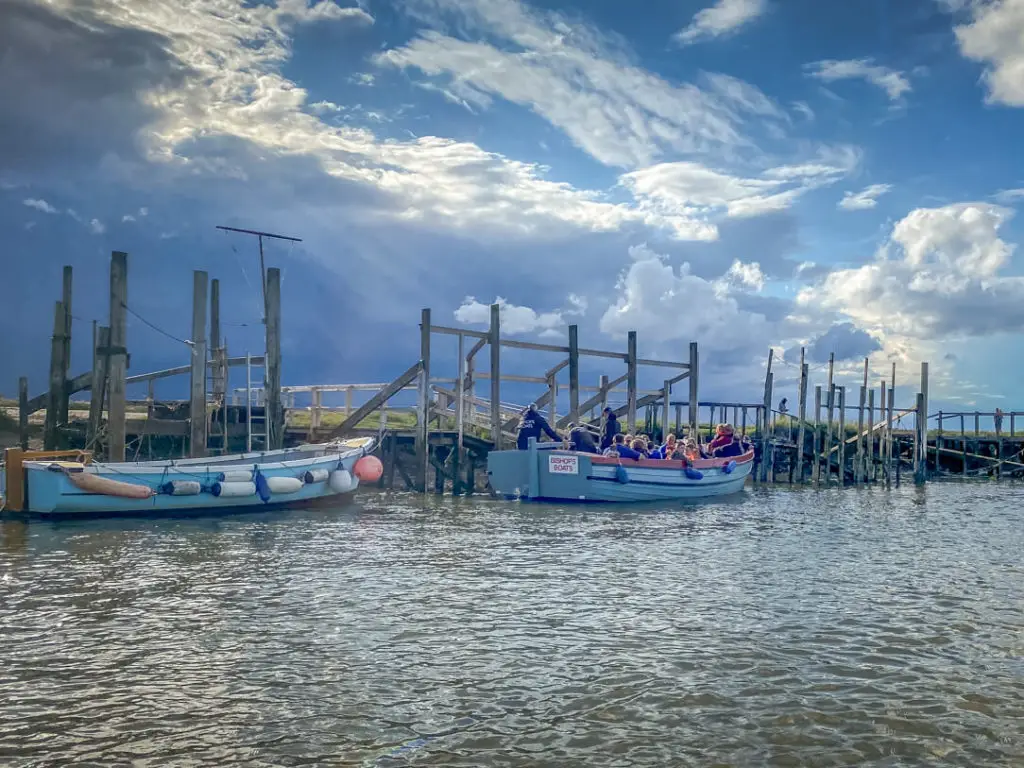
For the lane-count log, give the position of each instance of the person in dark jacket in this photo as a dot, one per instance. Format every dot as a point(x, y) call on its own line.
point(531, 425)
point(581, 439)
point(611, 429)
point(625, 451)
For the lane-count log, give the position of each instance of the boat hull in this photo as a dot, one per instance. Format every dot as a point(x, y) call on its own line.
point(51, 491)
point(559, 475)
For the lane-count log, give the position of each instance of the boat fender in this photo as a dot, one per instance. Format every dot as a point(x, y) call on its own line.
point(621, 475)
point(262, 488)
point(694, 474)
point(341, 481)
point(315, 476)
point(284, 484)
point(368, 469)
point(231, 489)
point(181, 488)
point(728, 468)
point(235, 476)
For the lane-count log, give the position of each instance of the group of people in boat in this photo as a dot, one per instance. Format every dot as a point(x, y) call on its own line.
point(613, 442)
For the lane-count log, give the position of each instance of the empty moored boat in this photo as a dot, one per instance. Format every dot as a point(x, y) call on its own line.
point(546, 472)
point(70, 484)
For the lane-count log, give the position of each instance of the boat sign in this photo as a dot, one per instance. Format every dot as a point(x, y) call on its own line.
point(564, 465)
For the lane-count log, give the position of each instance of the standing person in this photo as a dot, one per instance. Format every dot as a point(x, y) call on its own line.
point(531, 424)
point(611, 429)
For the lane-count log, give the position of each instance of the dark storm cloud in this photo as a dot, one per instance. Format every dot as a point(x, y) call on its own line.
point(846, 340)
point(71, 92)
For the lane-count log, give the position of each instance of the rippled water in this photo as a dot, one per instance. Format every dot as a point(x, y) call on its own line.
point(779, 627)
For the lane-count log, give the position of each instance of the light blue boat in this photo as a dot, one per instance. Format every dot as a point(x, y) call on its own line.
point(546, 472)
point(298, 476)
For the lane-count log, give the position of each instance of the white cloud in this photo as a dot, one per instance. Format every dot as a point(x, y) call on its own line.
point(1009, 196)
point(938, 276)
point(724, 17)
point(143, 211)
point(866, 198)
point(893, 82)
point(325, 10)
point(995, 36)
point(804, 109)
point(514, 319)
point(127, 217)
point(743, 276)
point(665, 304)
point(691, 189)
point(324, 107)
point(362, 78)
point(39, 205)
point(616, 112)
point(96, 227)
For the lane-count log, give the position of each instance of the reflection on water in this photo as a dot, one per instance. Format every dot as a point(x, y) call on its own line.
point(776, 628)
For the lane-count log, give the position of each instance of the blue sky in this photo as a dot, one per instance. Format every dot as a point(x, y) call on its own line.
point(744, 173)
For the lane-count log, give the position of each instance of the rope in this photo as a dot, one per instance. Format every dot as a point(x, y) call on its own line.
point(171, 336)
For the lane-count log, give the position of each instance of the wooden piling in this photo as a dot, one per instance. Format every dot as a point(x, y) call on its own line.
point(603, 388)
point(273, 408)
point(817, 441)
point(197, 389)
point(769, 381)
point(630, 382)
point(65, 354)
point(666, 392)
point(842, 436)
point(870, 466)
point(694, 388)
point(23, 413)
point(830, 407)
point(495, 340)
point(460, 408)
point(938, 441)
point(574, 374)
point(924, 420)
point(888, 428)
point(117, 367)
point(98, 388)
point(963, 446)
point(920, 441)
point(798, 467)
point(422, 439)
point(57, 380)
point(858, 470)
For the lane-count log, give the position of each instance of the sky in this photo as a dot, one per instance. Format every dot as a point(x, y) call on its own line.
point(747, 174)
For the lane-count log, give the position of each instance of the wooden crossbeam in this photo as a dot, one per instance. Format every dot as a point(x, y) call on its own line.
point(376, 401)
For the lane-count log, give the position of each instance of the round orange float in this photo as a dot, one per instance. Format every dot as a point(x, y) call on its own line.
point(368, 469)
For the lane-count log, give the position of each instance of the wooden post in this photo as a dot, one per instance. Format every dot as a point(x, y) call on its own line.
point(858, 470)
point(100, 361)
point(842, 436)
point(920, 441)
point(938, 442)
point(924, 421)
point(65, 358)
point(214, 315)
point(574, 374)
point(552, 399)
point(963, 446)
point(273, 408)
point(679, 419)
point(197, 390)
point(348, 402)
point(888, 428)
point(827, 448)
point(869, 467)
point(495, 340)
point(798, 466)
point(666, 393)
point(315, 412)
point(743, 418)
point(694, 390)
point(768, 384)
point(460, 412)
point(117, 366)
point(55, 395)
point(630, 382)
point(998, 426)
point(23, 413)
point(422, 439)
point(603, 384)
point(220, 368)
point(817, 436)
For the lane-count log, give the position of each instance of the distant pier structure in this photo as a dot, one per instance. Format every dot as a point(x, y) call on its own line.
point(441, 438)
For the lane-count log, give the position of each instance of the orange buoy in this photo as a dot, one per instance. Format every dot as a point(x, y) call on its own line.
point(368, 469)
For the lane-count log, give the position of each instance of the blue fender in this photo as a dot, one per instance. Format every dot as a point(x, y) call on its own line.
point(694, 474)
point(728, 468)
point(621, 475)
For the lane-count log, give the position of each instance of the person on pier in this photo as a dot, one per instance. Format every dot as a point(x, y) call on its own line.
point(581, 439)
point(611, 429)
point(531, 424)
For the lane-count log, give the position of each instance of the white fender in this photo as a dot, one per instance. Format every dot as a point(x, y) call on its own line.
point(284, 484)
point(341, 481)
point(230, 489)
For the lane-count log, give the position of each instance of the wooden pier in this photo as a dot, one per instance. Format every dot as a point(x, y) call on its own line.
point(435, 427)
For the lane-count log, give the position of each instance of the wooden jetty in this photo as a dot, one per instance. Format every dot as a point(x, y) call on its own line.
point(440, 435)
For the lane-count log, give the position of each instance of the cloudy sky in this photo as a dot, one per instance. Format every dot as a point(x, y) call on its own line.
point(744, 173)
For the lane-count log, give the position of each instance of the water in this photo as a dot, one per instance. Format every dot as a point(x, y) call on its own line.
point(778, 628)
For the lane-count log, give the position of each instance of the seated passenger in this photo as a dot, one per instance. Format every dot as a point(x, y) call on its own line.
point(670, 446)
point(626, 451)
point(723, 436)
point(640, 446)
point(531, 424)
point(690, 450)
point(618, 442)
point(581, 439)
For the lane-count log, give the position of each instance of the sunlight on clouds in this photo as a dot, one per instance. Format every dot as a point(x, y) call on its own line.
point(894, 83)
point(939, 275)
point(995, 36)
point(514, 319)
point(866, 198)
point(724, 17)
